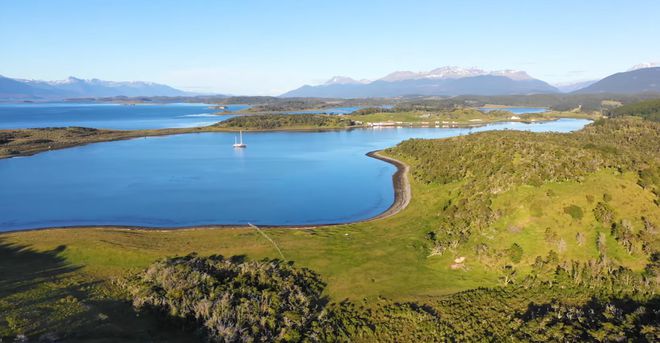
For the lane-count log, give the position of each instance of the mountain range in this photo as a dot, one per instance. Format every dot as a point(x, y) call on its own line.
point(452, 81)
point(18, 89)
point(445, 81)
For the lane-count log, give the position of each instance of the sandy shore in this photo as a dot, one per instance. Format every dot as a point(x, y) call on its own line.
point(402, 192)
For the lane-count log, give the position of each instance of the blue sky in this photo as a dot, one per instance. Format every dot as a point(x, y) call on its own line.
point(268, 47)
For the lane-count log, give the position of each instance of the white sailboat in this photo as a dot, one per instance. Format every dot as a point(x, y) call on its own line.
point(239, 144)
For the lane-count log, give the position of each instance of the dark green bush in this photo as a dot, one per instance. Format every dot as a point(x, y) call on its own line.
point(240, 301)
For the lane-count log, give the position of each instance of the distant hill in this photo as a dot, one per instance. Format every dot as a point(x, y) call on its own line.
point(17, 89)
point(447, 81)
point(573, 86)
point(629, 82)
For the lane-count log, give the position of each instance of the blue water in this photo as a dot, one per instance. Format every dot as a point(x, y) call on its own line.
point(110, 116)
point(516, 110)
point(281, 178)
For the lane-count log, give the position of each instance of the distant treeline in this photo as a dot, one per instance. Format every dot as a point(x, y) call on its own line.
point(558, 102)
point(300, 104)
point(275, 121)
point(649, 109)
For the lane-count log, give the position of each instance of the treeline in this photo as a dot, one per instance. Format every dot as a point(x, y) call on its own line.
point(649, 109)
point(557, 102)
point(275, 104)
point(559, 309)
point(236, 300)
point(275, 121)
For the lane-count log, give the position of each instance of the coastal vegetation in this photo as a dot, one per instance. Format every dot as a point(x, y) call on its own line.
point(508, 236)
point(491, 164)
point(457, 116)
point(293, 121)
point(20, 142)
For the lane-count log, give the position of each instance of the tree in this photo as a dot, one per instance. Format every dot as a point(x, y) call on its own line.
point(561, 245)
point(623, 233)
point(233, 300)
point(604, 213)
point(508, 273)
point(601, 244)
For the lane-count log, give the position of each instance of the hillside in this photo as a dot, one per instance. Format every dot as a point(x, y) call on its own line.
point(630, 82)
point(649, 109)
point(509, 236)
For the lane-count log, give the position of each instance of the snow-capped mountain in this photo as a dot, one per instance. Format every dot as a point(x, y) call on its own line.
point(73, 87)
point(344, 80)
point(453, 72)
point(440, 81)
point(645, 65)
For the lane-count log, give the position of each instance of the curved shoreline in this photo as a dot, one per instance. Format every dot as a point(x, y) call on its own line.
point(402, 191)
point(109, 135)
point(402, 197)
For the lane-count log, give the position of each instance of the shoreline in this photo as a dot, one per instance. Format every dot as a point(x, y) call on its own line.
point(402, 198)
point(119, 135)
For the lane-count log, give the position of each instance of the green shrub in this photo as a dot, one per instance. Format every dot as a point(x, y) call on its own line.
point(515, 253)
point(574, 211)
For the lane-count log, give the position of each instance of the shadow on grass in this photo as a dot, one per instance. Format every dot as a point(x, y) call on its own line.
point(46, 298)
point(22, 268)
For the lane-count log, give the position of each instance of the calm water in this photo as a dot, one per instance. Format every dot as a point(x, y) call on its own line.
point(516, 110)
point(110, 116)
point(281, 178)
